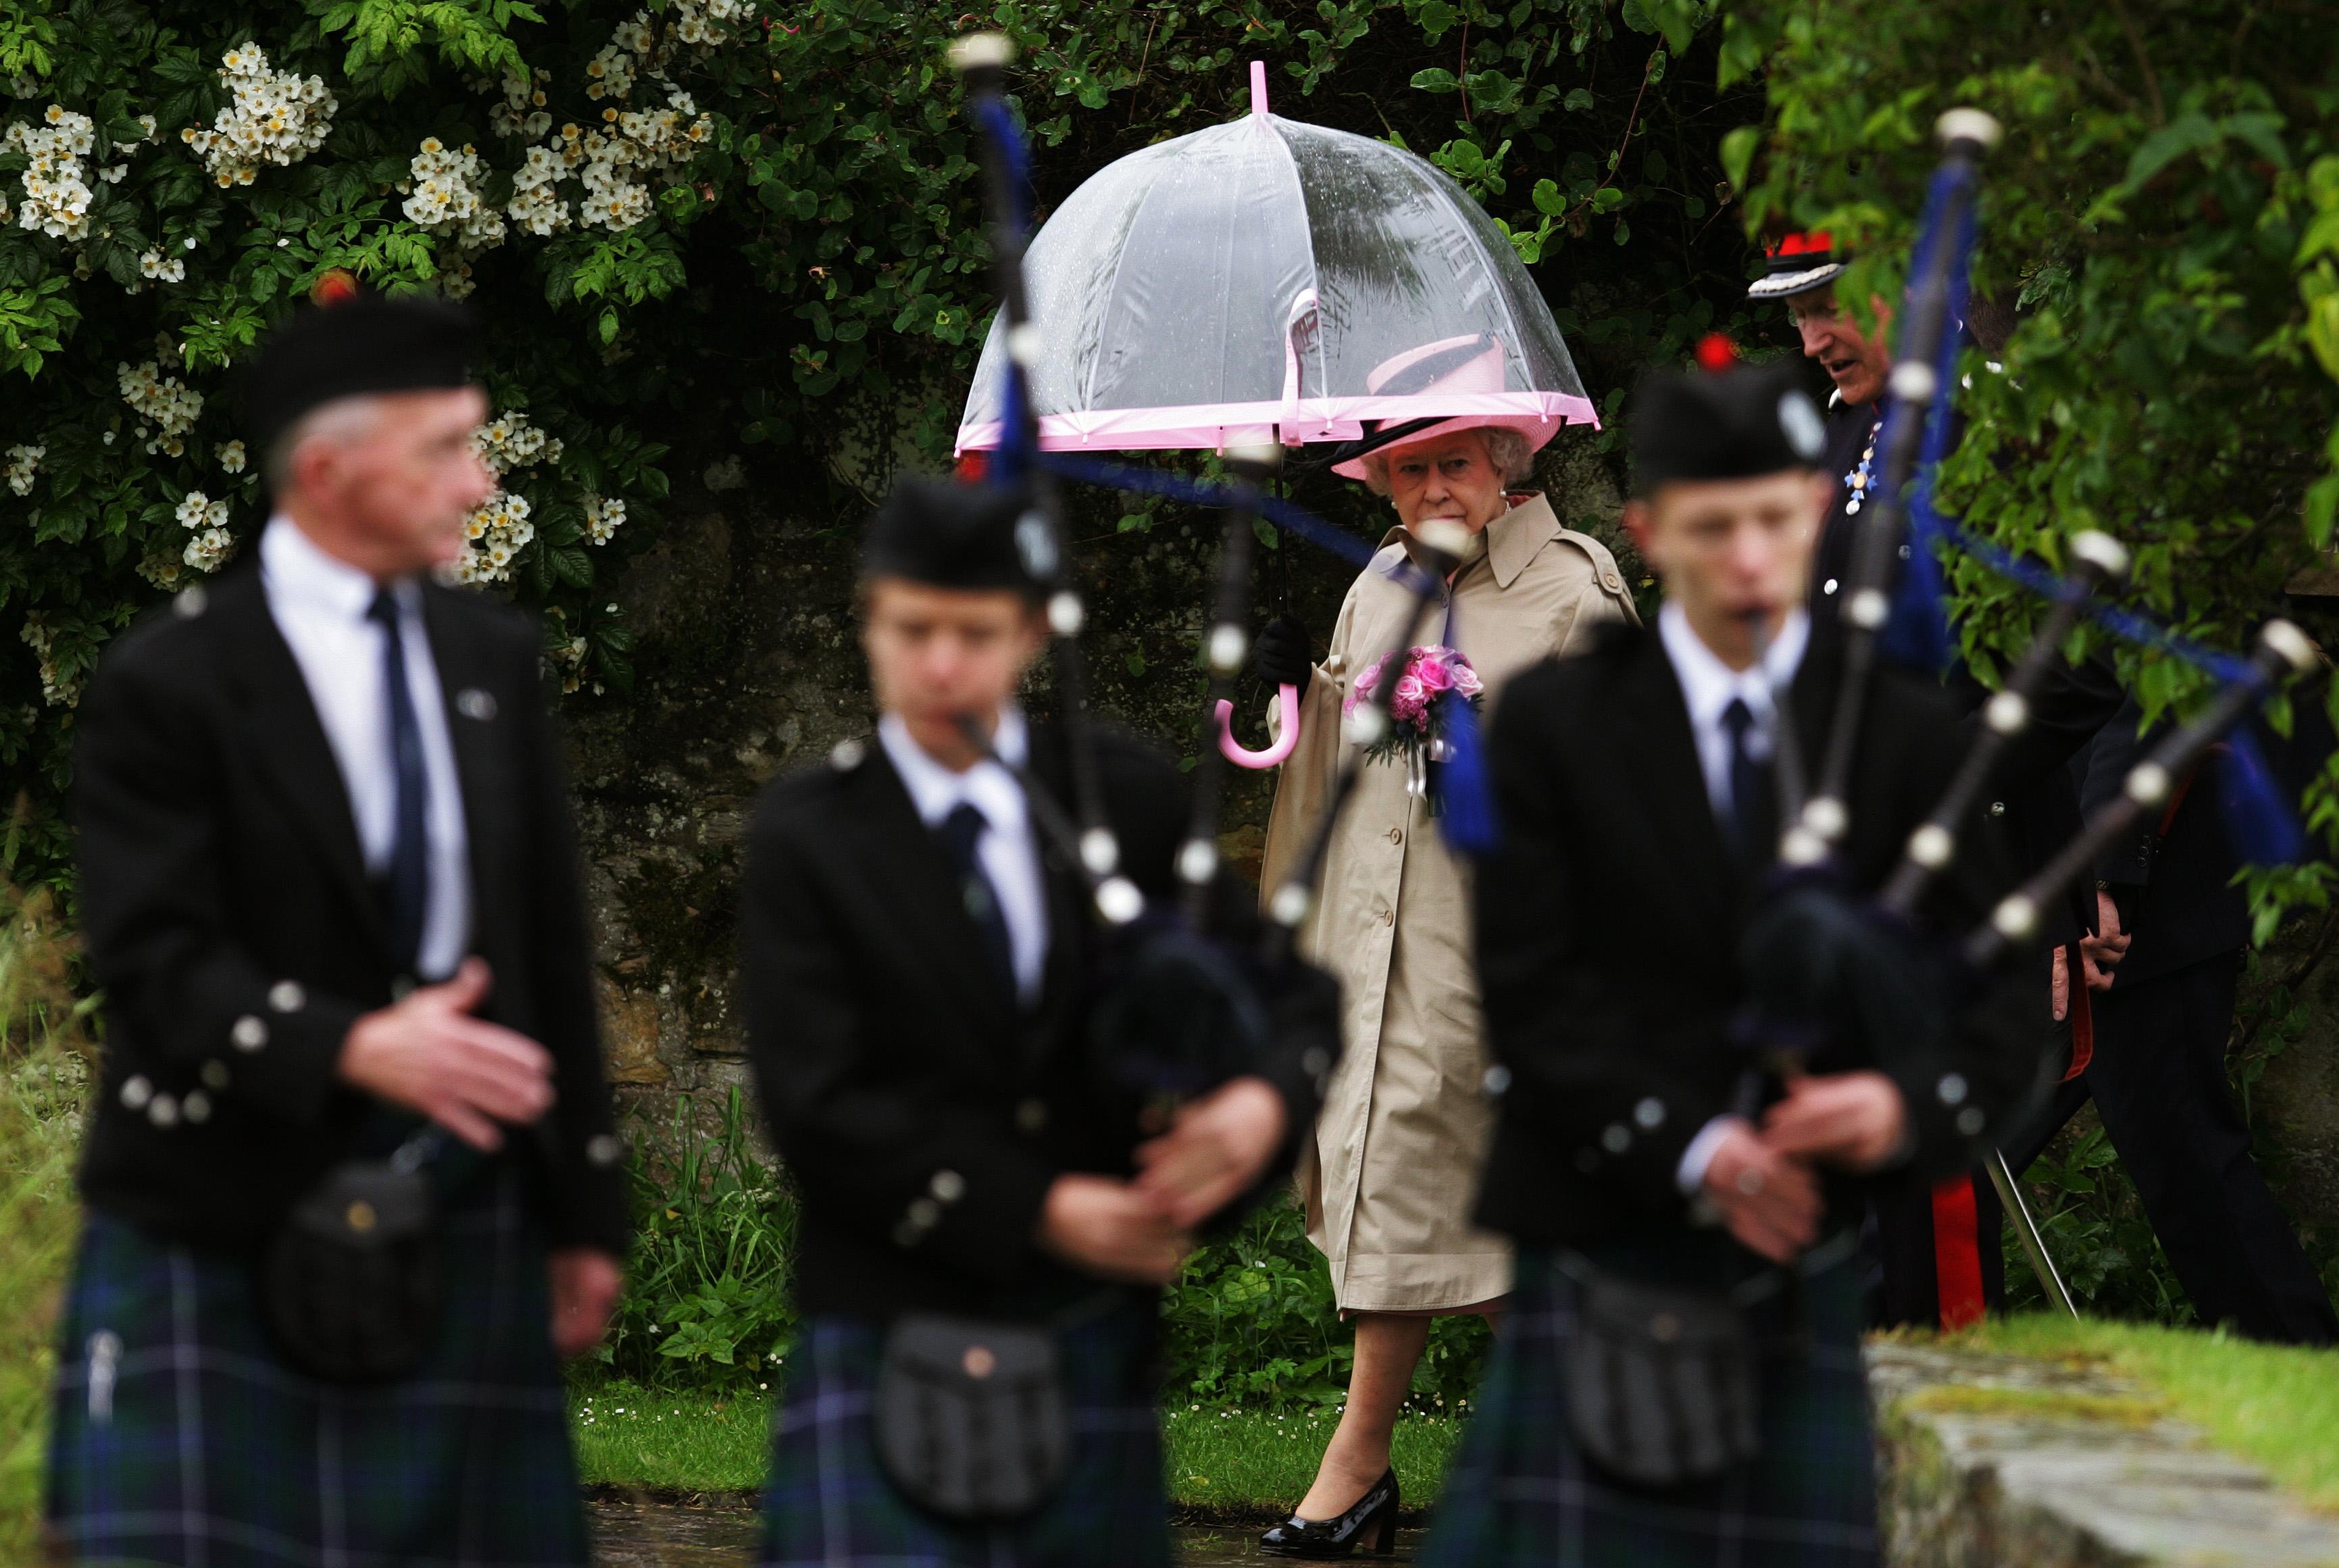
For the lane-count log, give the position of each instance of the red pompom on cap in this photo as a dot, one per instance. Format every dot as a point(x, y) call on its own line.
point(1716, 352)
point(337, 286)
point(972, 467)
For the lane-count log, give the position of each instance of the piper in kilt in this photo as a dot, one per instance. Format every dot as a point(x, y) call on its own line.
point(924, 983)
point(1629, 1162)
point(330, 888)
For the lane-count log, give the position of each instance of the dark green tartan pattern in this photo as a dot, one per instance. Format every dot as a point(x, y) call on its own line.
point(206, 1451)
point(1520, 1492)
point(830, 1506)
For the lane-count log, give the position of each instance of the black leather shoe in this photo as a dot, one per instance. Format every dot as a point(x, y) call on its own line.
point(1374, 1514)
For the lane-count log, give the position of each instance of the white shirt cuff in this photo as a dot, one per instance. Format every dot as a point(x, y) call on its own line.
point(1690, 1174)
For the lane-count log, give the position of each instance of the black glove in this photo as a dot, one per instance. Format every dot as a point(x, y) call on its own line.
point(1280, 656)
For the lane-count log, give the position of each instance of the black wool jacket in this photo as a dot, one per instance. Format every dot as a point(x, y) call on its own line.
point(228, 916)
point(923, 1114)
point(1610, 922)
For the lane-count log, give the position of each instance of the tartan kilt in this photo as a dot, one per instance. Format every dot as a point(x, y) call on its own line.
point(1521, 1493)
point(829, 1504)
point(204, 1450)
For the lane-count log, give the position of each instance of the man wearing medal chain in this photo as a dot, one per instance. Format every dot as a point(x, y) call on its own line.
point(2146, 1036)
point(1939, 1263)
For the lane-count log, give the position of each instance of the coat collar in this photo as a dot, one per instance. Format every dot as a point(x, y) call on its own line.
point(1513, 539)
point(291, 749)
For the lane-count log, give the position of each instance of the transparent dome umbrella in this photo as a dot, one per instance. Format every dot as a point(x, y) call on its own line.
point(1268, 280)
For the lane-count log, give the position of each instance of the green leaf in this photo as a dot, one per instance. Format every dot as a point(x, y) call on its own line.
point(1738, 153)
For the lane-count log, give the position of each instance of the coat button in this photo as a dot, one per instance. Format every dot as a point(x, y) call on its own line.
point(250, 1033)
point(603, 1149)
point(1397, 835)
point(1997, 808)
point(215, 1075)
point(196, 1106)
point(286, 996)
point(948, 1186)
point(1031, 1115)
point(135, 1092)
point(474, 704)
point(163, 1110)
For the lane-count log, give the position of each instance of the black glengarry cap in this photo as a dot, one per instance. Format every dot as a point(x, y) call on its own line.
point(1724, 420)
point(361, 345)
point(948, 533)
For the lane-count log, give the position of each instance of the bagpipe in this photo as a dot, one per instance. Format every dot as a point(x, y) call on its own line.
point(1185, 999)
point(1839, 977)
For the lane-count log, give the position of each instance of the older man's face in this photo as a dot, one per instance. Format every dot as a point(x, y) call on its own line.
point(392, 498)
point(1857, 363)
point(1452, 477)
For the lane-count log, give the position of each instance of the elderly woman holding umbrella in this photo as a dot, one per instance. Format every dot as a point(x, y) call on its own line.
point(1390, 1177)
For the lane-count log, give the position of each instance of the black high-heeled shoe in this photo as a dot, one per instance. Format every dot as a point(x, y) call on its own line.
point(1374, 1514)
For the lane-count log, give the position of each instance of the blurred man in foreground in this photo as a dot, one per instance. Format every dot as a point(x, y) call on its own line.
point(351, 1184)
point(986, 1220)
point(1678, 1380)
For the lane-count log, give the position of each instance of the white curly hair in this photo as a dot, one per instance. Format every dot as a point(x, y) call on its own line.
point(1506, 449)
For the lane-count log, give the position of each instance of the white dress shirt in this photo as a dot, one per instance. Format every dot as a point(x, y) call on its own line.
point(1708, 686)
point(1010, 858)
point(319, 603)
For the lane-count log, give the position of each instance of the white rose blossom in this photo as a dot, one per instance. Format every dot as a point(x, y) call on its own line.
point(230, 456)
point(55, 181)
point(200, 514)
point(166, 269)
point(276, 117)
point(209, 550)
point(55, 691)
point(172, 408)
point(24, 463)
point(603, 517)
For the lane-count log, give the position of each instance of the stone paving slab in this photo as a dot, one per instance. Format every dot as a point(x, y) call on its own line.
point(2002, 1462)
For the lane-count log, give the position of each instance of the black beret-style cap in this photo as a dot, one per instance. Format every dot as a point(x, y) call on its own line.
point(948, 535)
point(362, 344)
point(1739, 422)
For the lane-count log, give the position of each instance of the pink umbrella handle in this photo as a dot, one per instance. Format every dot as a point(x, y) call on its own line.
point(1287, 700)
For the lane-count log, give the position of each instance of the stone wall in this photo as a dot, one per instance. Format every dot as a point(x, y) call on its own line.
point(749, 665)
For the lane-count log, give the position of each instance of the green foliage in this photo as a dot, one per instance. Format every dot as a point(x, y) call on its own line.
point(2164, 213)
point(1251, 1323)
point(44, 1078)
point(792, 265)
point(706, 1295)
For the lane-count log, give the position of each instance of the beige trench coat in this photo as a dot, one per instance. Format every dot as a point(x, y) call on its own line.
point(1393, 1170)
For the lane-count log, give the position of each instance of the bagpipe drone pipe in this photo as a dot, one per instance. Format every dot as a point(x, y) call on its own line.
point(1838, 979)
point(1187, 996)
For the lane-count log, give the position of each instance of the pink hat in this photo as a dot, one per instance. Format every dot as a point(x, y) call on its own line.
point(1450, 370)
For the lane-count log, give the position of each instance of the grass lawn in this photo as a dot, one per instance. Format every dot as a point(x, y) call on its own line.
point(2273, 1406)
point(1236, 1463)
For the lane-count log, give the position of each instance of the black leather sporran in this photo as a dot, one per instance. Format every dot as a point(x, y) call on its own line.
point(972, 1419)
point(352, 1284)
point(1662, 1387)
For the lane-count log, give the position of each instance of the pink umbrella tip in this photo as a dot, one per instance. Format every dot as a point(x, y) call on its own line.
point(1259, 86)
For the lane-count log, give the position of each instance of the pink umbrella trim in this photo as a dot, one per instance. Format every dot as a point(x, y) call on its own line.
point(1212, 425)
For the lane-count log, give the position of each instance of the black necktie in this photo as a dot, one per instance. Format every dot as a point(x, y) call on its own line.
point(960, 831)
point(406, 883)
point(1750, 786)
